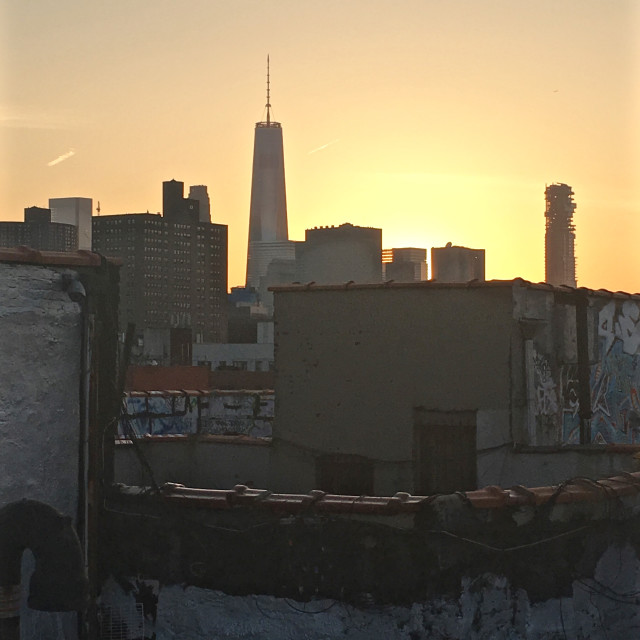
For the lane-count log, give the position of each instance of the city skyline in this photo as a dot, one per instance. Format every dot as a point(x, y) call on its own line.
point(438, 122)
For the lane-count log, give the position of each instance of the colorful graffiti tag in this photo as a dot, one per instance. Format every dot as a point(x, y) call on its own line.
point(614, 380)
point(160, 415)
point(218, 413)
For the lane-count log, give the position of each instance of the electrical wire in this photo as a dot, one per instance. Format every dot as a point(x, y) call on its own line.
point(333, 604)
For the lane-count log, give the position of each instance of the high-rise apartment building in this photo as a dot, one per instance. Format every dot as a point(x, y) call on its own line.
point(560, 235)
point(457, 264)
point(268, 229)
point(38, 232)
point(75, 211)
point(174, 273)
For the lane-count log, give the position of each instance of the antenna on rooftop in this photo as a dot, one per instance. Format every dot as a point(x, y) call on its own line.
point(268, 89)
point(98, 208)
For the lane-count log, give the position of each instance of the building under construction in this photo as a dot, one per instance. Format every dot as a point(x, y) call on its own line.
point(560, 236)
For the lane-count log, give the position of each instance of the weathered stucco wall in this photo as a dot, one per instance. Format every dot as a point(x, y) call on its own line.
point(354, 364)
point(40, 344)
point(40, 337)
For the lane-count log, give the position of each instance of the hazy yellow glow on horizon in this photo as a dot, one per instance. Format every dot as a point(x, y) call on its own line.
point(436, 121)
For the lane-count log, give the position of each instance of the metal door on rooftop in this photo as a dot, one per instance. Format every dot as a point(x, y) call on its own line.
point(444, 451)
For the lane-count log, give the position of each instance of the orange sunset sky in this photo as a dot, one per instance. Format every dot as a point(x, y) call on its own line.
point(435, 120)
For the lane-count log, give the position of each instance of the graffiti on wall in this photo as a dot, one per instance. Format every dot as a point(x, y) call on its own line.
point(614, 380)
point(216, 413)
point(161, 415)
point(545, 387)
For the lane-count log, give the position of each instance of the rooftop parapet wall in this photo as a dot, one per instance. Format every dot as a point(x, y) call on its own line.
point(397, 549)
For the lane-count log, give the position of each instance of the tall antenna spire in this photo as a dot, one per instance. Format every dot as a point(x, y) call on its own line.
point(268, 103)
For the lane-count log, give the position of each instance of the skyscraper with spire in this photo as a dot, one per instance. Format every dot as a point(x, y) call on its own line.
point(268, 229)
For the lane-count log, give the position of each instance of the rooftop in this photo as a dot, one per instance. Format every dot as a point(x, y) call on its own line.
point(574, 490)
point(434, 284)
point(80, 258)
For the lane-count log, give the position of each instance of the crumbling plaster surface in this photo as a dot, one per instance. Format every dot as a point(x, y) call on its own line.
point(601, 608)
point(40, 338)
point(40, 335)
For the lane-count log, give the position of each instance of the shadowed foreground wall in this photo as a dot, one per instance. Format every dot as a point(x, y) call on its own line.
point(40, 339)
point(455, 566)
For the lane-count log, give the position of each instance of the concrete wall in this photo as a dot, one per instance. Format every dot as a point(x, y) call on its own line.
point(353, 364)
point(206, 462)
point(611, 338)
point(40, 343)
point(532, 467)
point(614, 377)
point(215, 413)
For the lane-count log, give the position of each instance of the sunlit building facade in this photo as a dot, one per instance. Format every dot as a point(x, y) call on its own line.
point(75, 211)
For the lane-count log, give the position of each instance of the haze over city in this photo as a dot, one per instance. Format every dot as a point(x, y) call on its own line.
point(436, 121)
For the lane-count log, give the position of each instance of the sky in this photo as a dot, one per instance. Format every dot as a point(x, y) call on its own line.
point(436, 120)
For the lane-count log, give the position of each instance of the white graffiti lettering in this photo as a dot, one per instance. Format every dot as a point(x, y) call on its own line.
point(546, 395)
point(606, 325)
point(628, 328)
point(625, 327)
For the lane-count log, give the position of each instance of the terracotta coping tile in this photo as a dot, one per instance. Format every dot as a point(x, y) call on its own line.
point(492, 497)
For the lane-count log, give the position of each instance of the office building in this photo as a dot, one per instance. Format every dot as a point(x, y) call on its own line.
point(38, 232)
point(199, 192)
point(406, 264)
point(75, 211)
point(457, 264)
point(268, 230)
point(346, 253)
point(559, 241)
point(174, 274)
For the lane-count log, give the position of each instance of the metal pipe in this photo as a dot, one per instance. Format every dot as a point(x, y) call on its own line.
point(59, 581)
